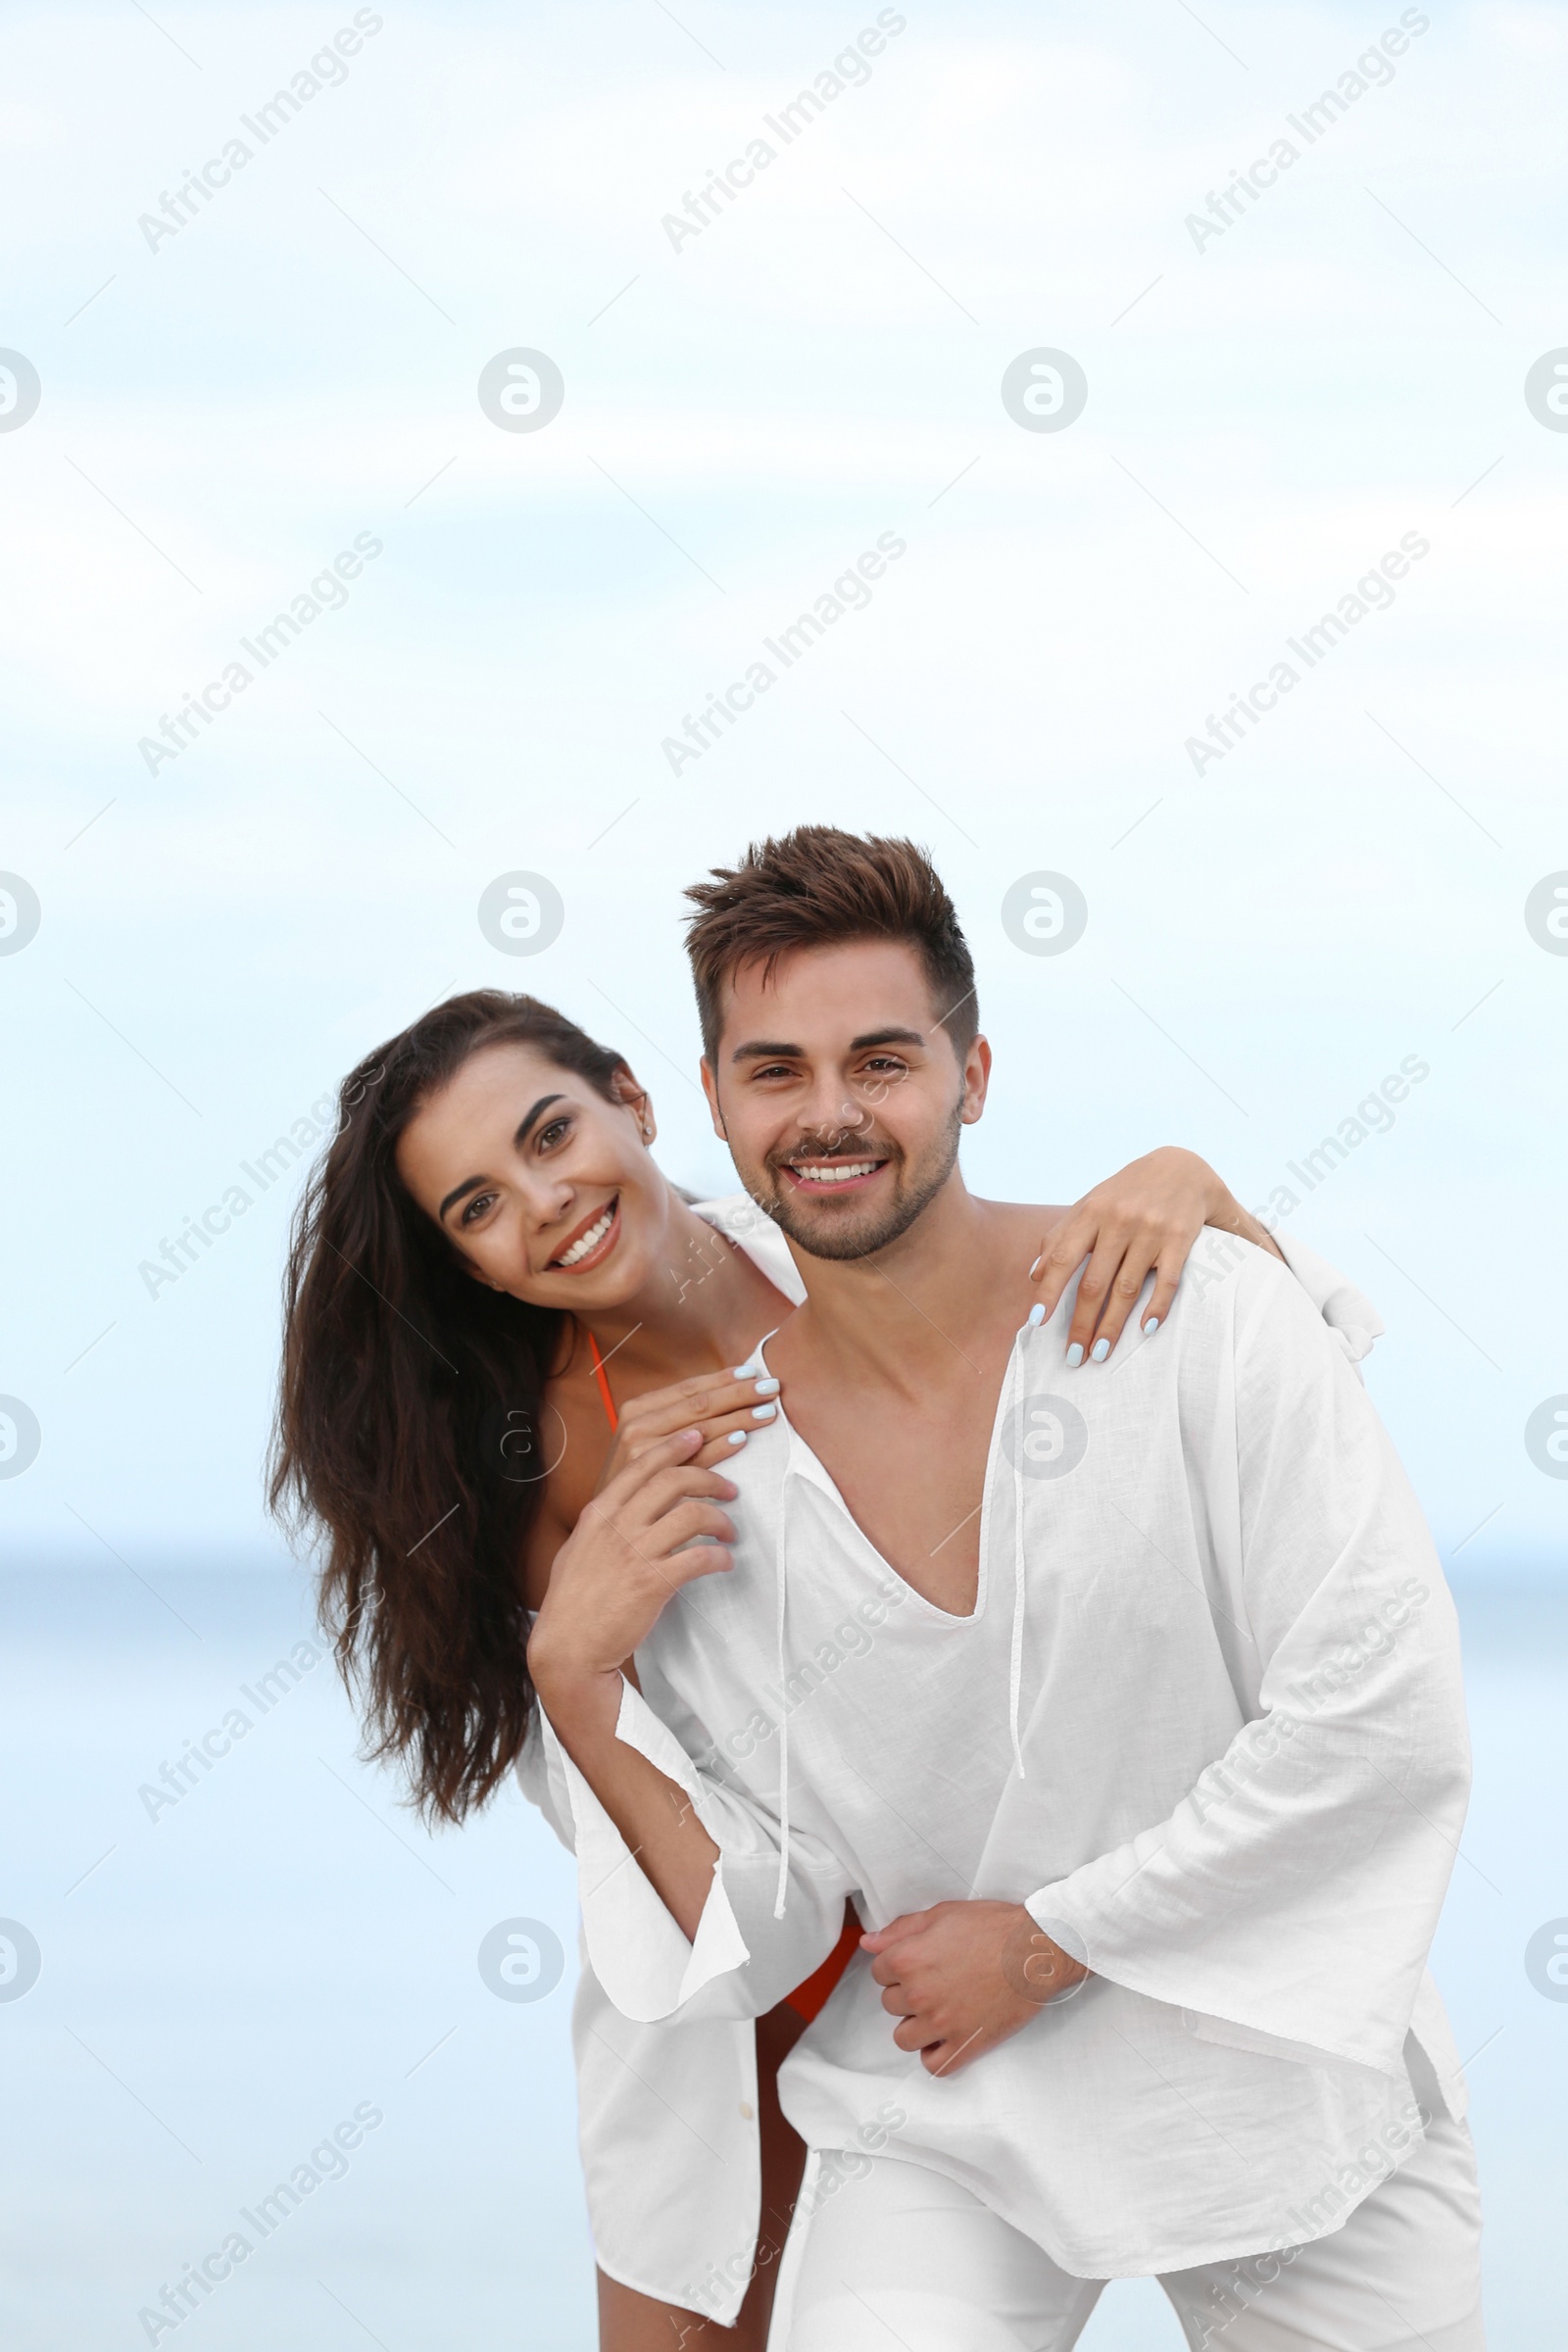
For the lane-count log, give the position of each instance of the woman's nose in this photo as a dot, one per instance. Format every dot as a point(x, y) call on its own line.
point(546, 1200)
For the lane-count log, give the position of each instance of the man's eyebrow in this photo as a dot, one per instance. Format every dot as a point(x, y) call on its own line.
point(525, 1126)
point(886, 1037)
point(765, 1049)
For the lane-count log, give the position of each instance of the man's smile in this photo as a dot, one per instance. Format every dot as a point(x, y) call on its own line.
point(807, 1176)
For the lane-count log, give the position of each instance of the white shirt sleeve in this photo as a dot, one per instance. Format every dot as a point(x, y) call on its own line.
point(1295, 1891)
point(542, 1779)
point(742, 1961)
point(1349, 1314)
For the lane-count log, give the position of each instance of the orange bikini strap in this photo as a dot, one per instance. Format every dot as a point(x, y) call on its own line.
point(611, 1414)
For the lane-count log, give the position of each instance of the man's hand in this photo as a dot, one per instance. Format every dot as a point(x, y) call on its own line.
point(961, 1977)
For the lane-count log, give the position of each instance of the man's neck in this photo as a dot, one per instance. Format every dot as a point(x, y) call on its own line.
point(891, 1375)
point(898, 1320)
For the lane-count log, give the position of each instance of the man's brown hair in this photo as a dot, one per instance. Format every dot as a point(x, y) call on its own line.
point(818, 887)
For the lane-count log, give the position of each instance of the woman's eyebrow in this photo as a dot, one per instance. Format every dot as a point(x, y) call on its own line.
point(526, 1127)
point(459, 1192)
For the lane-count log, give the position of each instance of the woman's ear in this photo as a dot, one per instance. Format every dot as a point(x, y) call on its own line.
point(635, 1099)
point(476, 1273)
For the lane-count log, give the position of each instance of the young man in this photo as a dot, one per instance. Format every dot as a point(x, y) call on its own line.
point(1126, 1708)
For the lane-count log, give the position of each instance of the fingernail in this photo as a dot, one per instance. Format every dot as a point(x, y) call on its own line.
point(1099, 1351)
point(1075, 1356)
point(1153, 1324)
point(764, 1412)
point(737, 1437)
point(1035, 1268)
point(767, 1387)
point(1037, 1315)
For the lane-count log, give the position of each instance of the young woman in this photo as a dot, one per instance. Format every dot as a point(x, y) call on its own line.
point(492, 1292)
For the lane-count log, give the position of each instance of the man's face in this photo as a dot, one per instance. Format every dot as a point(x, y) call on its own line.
point(839, 1093)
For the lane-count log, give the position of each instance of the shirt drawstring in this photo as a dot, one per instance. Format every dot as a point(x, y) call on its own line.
point(1019, 1580)
point(758, 1361)
point(779, 1569)
point(1015, 1663)
point(1019, 1600)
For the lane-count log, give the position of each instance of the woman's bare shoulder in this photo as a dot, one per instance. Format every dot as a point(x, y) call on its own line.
point(576, 1439)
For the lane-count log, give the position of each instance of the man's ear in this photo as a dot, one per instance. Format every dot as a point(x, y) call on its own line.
point(711, 1090)
point(976, 1080)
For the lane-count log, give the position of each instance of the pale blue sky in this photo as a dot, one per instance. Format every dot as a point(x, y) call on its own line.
point(1266, 416)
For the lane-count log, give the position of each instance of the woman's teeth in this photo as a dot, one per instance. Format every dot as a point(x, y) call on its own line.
point(840, 1173)
point(590, 1239)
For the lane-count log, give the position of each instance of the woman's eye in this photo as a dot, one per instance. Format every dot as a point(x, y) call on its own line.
point(551, 1135)
point(474, 1209)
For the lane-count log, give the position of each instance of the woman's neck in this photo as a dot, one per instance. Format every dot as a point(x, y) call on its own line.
point(706, 1308)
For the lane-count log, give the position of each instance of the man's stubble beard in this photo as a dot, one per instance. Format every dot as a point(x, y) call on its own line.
point(847, 1242)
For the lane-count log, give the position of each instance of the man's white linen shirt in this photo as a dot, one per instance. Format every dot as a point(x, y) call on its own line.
point(1204, 1720)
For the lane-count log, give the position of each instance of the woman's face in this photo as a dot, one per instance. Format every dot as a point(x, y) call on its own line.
point(545, 1188)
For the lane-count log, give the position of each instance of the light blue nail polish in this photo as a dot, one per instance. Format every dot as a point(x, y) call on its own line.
point(1037, 1315)
point(767, 1387)
point(764, 1412)
point(1075, 1356)
point(1099, 1351)
point(737, 1437)
point(1151, 1325)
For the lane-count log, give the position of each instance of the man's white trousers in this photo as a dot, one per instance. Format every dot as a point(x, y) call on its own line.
point(898, 2255)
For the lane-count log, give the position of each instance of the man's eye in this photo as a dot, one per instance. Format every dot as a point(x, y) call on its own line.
point(772, 1069)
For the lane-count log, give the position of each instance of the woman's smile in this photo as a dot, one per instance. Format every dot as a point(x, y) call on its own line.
point(590, 1241)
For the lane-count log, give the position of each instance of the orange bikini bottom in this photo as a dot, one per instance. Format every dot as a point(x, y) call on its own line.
point(807, 2000)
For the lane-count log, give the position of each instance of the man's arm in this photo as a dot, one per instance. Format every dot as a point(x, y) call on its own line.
point(1295, 1888)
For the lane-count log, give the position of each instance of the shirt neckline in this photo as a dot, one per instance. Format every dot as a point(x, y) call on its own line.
point(804, 1458)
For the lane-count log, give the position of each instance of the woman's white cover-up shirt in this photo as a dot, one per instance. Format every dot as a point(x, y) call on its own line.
point(1204, 1720)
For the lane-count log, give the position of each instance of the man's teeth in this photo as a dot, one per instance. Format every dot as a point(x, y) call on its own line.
point(839, 1172)
point(590, 1239)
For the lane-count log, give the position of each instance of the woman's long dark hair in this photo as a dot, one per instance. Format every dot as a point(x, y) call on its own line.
point(410, 1442)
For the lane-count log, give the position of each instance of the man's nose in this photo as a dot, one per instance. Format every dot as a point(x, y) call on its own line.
point(831, 1115)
